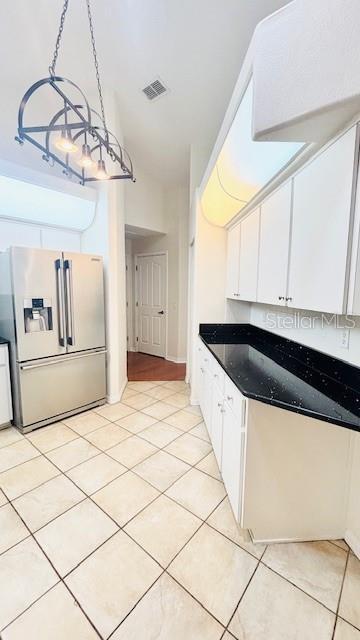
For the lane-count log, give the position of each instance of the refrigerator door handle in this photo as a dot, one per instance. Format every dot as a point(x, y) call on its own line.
point(69, 303)
point(26, 367)
point(60, 301)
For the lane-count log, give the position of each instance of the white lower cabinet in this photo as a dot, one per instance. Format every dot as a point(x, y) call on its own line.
point(233, 457)
point(216, 428)
point(223, 408)
point(286, 474)
point(5, 389)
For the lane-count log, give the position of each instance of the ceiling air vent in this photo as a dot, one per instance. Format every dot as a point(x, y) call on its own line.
point(155, 89)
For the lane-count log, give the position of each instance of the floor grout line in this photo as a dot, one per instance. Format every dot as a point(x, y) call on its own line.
point(349, 623)
point(340, 593)
point(160, 493)
point(47, 591)
point(297, 586)
point(121, 528)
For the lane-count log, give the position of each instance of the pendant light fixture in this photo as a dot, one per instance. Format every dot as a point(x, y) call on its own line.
point(88, 150)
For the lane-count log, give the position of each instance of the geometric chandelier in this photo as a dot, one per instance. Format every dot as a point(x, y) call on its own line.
point(75, 137)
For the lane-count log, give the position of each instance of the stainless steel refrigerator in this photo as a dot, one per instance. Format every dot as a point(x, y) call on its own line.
point(52, 312)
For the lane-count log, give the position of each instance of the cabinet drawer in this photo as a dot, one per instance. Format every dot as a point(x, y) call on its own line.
point(206, 359)
point(234, 398)
point(218, 374)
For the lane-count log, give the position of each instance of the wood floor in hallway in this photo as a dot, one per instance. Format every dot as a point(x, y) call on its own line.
point(142, 366)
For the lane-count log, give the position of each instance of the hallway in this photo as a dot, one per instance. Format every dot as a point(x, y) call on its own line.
point(144, 367)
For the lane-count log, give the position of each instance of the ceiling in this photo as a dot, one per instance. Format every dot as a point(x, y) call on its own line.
point(195, 46)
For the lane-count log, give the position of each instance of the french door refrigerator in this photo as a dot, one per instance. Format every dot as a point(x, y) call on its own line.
point(52, 312)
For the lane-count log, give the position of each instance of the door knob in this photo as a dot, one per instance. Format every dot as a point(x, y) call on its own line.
point(160, 313)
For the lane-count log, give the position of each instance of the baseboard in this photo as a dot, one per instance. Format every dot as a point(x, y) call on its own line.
point(353, 541)
point(116, 397)
point(176, 360)
point(286, 540)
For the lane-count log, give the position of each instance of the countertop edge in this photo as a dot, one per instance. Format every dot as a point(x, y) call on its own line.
point(278, 403)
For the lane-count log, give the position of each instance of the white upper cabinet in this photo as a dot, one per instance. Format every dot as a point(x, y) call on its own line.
point(233, 262)
point(320, 229)
point(274, 246)
point(249, 254)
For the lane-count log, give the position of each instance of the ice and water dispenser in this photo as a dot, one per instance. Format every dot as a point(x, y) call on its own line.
point(38, 315)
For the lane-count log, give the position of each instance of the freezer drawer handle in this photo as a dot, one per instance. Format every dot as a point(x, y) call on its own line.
point(26, 367)
point(60, 302)
point(69, 303)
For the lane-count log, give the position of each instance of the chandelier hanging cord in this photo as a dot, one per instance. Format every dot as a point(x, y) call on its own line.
point(58, 39)
point(96, 64)
point(68, 130)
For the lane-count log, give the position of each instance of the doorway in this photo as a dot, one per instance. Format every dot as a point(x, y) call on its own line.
point(151, 303)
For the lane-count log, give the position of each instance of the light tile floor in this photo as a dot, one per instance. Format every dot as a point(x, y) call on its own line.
point(115, 524)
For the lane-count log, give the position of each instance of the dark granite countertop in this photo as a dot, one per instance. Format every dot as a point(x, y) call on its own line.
point(3, 341)
point(286, 374)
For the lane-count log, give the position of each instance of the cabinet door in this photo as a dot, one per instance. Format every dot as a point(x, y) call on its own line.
point(274, 246)
point(320, 229)
point(233, 440)
point(233, 257)
point(5, 391)
point(206, 394)
point(217, 423)
point(249, 254)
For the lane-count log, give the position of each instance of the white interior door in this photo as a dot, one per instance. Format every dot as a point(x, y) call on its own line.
point(151, 304)
point(129, 304)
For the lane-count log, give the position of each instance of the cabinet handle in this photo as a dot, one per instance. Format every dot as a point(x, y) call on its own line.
point(219, 404)
point(229, 398)
point(206, 360)
point(202, 370)
point(281, 297)
point(288, 299)
point(216, 375)
point(222, 410)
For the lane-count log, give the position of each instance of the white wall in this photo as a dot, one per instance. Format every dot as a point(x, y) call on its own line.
point(308, 328)
point(18, 234)
point(144, 203)
point(106, 237)
point(208, 290)
point(175, 242)
point(29, 192)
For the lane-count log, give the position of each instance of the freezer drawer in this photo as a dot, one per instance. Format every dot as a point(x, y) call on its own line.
point(49, 388)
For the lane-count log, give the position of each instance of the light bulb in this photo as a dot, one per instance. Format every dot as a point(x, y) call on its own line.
point(65, 142)
point(101, 171)
point(86, 160)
